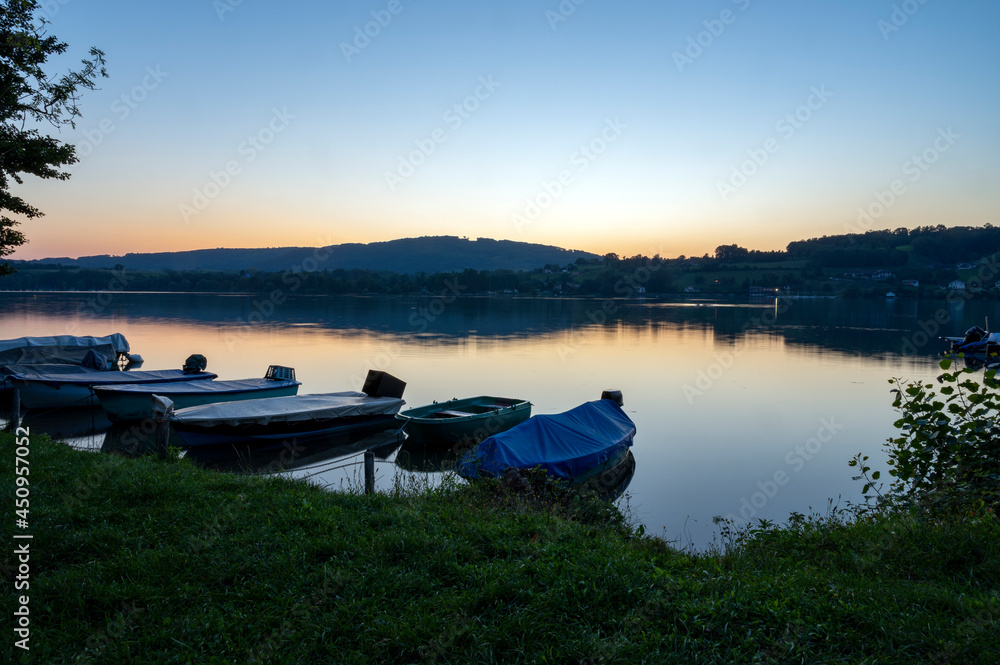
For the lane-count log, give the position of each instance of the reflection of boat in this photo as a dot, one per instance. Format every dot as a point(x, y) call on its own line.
point(300, 417)
point(52, 390)
point(290, 454)
point(577, 446)
point(428, 456)
point(471, 419)
point(976, 341)
point(97, 352)
point(134, 401)
point(67, 424)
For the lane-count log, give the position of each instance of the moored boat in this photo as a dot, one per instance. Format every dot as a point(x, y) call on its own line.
point(54, 390)
point(576, 446)
point(100, 353)
point(300, 417)
point(976, 341)
point(134, 401)
point(471, 419)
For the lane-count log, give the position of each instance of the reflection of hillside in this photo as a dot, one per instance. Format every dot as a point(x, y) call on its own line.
point(849, 326)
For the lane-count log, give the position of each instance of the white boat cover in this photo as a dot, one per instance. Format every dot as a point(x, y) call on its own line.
point(109, 378)
point(68, 349)
point(195, 387)
point(294, 409)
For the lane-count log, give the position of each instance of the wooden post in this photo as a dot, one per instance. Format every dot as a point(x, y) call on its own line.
point(162, 435)
point(15, 410)
point(369, 472)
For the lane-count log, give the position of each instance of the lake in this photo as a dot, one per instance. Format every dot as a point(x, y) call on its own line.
point(750, 410)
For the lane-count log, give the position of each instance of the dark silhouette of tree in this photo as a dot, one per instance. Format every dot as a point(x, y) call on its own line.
point(30, 97)
point(731, 253)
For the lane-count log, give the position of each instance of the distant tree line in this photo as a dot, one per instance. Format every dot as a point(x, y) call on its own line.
point(927, 254)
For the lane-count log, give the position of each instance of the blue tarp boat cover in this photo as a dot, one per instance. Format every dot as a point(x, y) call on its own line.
point(564, 444)
point(64, 349)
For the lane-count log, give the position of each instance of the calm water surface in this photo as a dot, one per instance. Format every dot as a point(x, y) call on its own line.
point(741, 408)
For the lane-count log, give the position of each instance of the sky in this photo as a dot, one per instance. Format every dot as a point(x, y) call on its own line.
point(631, 127)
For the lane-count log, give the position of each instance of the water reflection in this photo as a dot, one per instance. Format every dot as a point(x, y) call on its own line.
point(849, 326)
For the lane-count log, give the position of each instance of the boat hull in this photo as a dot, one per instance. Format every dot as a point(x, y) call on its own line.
point(39, 391)
point(468, 420)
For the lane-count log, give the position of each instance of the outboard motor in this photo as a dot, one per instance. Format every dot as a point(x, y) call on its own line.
point(195, 363)
point(615, 396)
point(973, 337)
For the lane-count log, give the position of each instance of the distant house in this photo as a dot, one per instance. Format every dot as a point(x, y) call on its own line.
point(956, 285)
point(965, 266)
point(913, 283)
point(691, 289)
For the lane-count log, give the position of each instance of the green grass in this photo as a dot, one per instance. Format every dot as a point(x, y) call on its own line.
point(143, 561)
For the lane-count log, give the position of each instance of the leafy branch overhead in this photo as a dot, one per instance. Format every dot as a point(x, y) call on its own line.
point(30, 99)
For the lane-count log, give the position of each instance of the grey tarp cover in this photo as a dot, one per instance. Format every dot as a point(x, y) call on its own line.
point(195, 387)
point(110, 378)
point(294, 409)
point(66, 349)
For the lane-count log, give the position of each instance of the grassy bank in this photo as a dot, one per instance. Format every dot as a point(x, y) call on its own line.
point(142, 561)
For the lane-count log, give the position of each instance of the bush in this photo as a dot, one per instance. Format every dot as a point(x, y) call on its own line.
point(946, 458)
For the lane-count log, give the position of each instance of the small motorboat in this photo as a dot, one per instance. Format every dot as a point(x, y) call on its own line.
point(577, 446)
point(133, 401)
point(976, 341)
point(54, 390)
point(101, 353)
point(464, 420)
point(299, 418)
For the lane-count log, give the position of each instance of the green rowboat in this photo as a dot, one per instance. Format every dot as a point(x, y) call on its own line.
point(464, 420)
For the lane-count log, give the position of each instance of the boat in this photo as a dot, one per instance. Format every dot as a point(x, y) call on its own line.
point(55, 390)
point(274, 420)
point(464, 420)
point(101, 353)
point(577, 446)
point(133, 401)
point(976, 341)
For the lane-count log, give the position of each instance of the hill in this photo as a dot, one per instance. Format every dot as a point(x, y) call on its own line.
point(405, 256)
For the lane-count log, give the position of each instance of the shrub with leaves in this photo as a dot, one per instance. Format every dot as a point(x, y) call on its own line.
point(947, 455)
